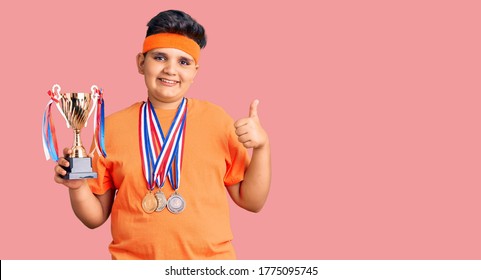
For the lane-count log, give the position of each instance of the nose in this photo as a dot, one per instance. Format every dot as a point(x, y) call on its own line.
point(169, 68)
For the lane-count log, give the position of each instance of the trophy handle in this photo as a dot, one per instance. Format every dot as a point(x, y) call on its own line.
point(56, 92)
point(95, 96)
point(94, 89)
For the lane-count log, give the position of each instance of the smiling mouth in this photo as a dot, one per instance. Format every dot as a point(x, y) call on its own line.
point(169, 82)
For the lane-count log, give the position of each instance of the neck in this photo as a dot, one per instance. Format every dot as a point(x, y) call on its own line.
point(165, 105)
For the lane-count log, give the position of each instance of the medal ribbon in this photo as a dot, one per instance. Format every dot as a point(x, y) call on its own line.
point(49, 137)
point(173, 171)
point(99, 123)
point(146, 154)
point(169, 160)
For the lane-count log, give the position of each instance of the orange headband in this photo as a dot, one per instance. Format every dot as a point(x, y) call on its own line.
point(171, 40)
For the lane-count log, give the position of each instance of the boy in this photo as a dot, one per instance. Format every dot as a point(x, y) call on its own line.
point(171, 158)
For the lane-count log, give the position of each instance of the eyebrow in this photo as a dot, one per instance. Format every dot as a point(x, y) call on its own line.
point(157, 53)
point(164, 54)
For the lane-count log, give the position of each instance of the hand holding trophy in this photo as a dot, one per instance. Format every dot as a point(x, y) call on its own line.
point(76, 108)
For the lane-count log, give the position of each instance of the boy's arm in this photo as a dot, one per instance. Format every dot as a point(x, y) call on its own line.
point(91, 209)
point(251, 194)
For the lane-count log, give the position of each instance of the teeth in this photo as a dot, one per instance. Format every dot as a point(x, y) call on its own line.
point(168, 81)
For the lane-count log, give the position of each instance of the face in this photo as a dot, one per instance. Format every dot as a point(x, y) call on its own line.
point(168, 74)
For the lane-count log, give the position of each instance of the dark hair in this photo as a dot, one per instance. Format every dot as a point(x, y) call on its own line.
point(173, 21)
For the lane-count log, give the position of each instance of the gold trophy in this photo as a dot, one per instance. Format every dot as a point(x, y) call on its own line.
point(76, 108)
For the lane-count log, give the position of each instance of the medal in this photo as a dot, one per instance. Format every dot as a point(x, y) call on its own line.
point(176, 203)
point(162, 157)
point(149, 203)
point(161, 201)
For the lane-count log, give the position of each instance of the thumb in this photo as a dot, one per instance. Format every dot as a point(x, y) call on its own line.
point(253, 109)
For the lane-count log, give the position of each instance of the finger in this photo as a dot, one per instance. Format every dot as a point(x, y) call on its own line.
point(67, 152)
point(59, 179)
point(244, 138)
point(248, 144)
point(59, 170)
point(63, 162)
point(241, 130)
point(241, 122)
point(253, 109)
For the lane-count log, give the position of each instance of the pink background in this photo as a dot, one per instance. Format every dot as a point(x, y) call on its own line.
point(372, 107)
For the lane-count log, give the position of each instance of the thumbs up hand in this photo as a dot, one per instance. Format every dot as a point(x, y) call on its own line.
point(249, 130)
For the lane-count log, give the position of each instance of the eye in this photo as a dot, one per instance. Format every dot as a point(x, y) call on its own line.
point(184, 62)
point(159, 57)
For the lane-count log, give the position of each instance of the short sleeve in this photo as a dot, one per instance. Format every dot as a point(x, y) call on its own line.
point(104, 179)
point(237, 159)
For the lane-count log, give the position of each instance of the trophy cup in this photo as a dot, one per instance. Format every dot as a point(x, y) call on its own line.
point(76, 109)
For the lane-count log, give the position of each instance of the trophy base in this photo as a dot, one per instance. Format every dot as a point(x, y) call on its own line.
point(79, 168)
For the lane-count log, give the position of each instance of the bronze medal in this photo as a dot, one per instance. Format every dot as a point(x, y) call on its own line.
point(149, 203)
point(176, 203)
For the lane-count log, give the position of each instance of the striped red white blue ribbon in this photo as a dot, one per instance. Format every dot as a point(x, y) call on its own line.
point(162, 156)
point(49, 137)
point(99, 122)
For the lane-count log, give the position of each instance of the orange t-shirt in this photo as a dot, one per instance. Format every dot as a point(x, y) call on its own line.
point(213, 159)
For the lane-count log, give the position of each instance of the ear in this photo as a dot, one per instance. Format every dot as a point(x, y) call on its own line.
point(196, 71)
point(140, 63)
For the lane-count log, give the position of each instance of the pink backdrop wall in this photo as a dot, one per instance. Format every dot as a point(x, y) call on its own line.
point(372, 107)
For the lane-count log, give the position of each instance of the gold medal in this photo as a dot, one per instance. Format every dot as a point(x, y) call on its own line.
point(149, 203)
point(161, 201)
